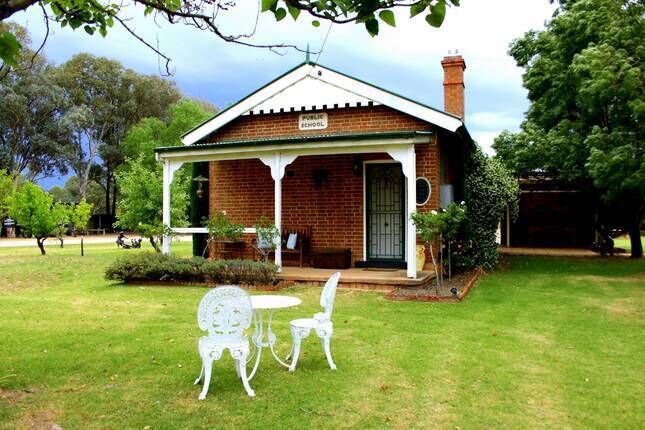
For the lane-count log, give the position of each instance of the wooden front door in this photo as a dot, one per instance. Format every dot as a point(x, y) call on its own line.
point(385, 212)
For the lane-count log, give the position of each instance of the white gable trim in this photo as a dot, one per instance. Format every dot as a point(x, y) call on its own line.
point(244, 105)
point(310, 93)
point(441, 119)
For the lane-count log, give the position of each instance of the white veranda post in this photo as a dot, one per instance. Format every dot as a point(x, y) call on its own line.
point(278, 162)
point(407, 158)
point(169, 169)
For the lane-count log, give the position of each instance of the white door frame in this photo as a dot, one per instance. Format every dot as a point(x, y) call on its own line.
point(405, 232)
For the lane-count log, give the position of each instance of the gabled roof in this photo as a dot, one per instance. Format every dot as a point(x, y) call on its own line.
point(311, 86)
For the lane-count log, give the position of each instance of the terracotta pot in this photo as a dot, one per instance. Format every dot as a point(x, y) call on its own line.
point(421, 257)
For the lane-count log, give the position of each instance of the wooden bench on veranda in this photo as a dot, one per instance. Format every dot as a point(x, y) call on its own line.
point(302, 249)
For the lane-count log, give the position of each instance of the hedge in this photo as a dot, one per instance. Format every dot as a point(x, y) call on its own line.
point(152, 267)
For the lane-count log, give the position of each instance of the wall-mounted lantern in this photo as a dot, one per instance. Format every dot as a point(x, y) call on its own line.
point(200, 185)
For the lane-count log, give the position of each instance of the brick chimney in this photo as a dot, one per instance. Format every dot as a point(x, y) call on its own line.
point(453, 84)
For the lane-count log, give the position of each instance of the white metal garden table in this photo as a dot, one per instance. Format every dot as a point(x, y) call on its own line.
point(264, 337)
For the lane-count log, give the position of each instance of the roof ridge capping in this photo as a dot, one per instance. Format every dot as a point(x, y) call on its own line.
point(330, 76)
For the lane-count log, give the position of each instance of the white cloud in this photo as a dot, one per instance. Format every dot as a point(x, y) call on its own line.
point(485, 139)
point(404, 59)
point(492, 120)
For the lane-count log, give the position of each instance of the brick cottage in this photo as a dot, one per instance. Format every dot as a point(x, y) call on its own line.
point(319, 151)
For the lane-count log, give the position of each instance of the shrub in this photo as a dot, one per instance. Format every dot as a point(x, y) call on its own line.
point(157, 267)
point(238, 272)
point(489, 189)
point(443, 225)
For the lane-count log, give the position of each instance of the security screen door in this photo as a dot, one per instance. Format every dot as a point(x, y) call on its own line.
point(385, 212)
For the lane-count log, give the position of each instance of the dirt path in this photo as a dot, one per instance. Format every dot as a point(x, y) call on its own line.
point(87, 240)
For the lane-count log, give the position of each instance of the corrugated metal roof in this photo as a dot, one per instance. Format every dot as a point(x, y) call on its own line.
point(294, 139)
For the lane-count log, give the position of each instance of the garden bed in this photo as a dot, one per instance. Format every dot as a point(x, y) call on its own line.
point(158, 269)
point(452, 290)
point(173, 283)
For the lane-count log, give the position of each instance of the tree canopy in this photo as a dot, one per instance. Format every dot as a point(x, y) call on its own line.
point(103, 100)
point(31, 137)
point(140, 177)
point(6, 190)
point(36, 213)
point(98, 16)
point(585, 81)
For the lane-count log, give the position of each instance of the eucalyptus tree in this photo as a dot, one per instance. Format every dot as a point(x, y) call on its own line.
point(31, 136)
point(6, 191)
point(586, 122)
point(104, 100)
point(140, 177)
point(95, 194)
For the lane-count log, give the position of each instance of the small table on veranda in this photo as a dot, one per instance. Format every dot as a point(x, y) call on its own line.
point(261, 337)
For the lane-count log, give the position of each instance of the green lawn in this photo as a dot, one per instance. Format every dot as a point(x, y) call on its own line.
point(541, 343)
point(625, 243)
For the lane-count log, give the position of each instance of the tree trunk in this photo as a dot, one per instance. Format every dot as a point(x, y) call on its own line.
point(107, 193)
point(635, 239)
point(41, 244)
point(154, 244)
point(113, 213)
point(61, 241)
point(436, 272)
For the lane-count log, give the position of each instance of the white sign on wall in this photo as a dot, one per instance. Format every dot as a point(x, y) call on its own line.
point(312, 121)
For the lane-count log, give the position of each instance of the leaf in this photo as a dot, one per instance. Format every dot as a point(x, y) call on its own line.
point(387, 16)
point(56, 9)
point(315, 23)
point(89, 30)
point(280, 13)
point(9, 48)
point(102, 31)
point(147, 11)
point(293, 11)
point(417, 8)
point(75, 22)
point(371, 25)
point(455, 2)
point(437, 14)
point(268, 5)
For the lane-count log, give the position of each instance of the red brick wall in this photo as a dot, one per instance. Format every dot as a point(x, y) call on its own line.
point(349, 120)
point(244, 188)
point(453, 84)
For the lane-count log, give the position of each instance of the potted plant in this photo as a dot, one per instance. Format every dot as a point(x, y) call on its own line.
point(221, 229)
point(439, 225)
point(268, 236)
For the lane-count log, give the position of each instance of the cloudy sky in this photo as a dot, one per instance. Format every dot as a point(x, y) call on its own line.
point(405, 59)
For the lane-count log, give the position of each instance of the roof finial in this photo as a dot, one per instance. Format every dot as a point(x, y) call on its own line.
point(307, 60)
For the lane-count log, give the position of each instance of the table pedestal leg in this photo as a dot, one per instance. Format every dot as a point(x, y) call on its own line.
point(262, 339)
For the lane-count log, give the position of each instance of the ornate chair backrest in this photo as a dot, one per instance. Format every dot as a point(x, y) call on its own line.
point(225, 312)
point(328, 294)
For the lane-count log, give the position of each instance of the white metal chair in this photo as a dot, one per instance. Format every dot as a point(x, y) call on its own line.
point(321, 323)
point(225, 313)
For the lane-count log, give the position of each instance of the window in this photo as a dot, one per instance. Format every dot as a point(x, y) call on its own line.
point(424, 189)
